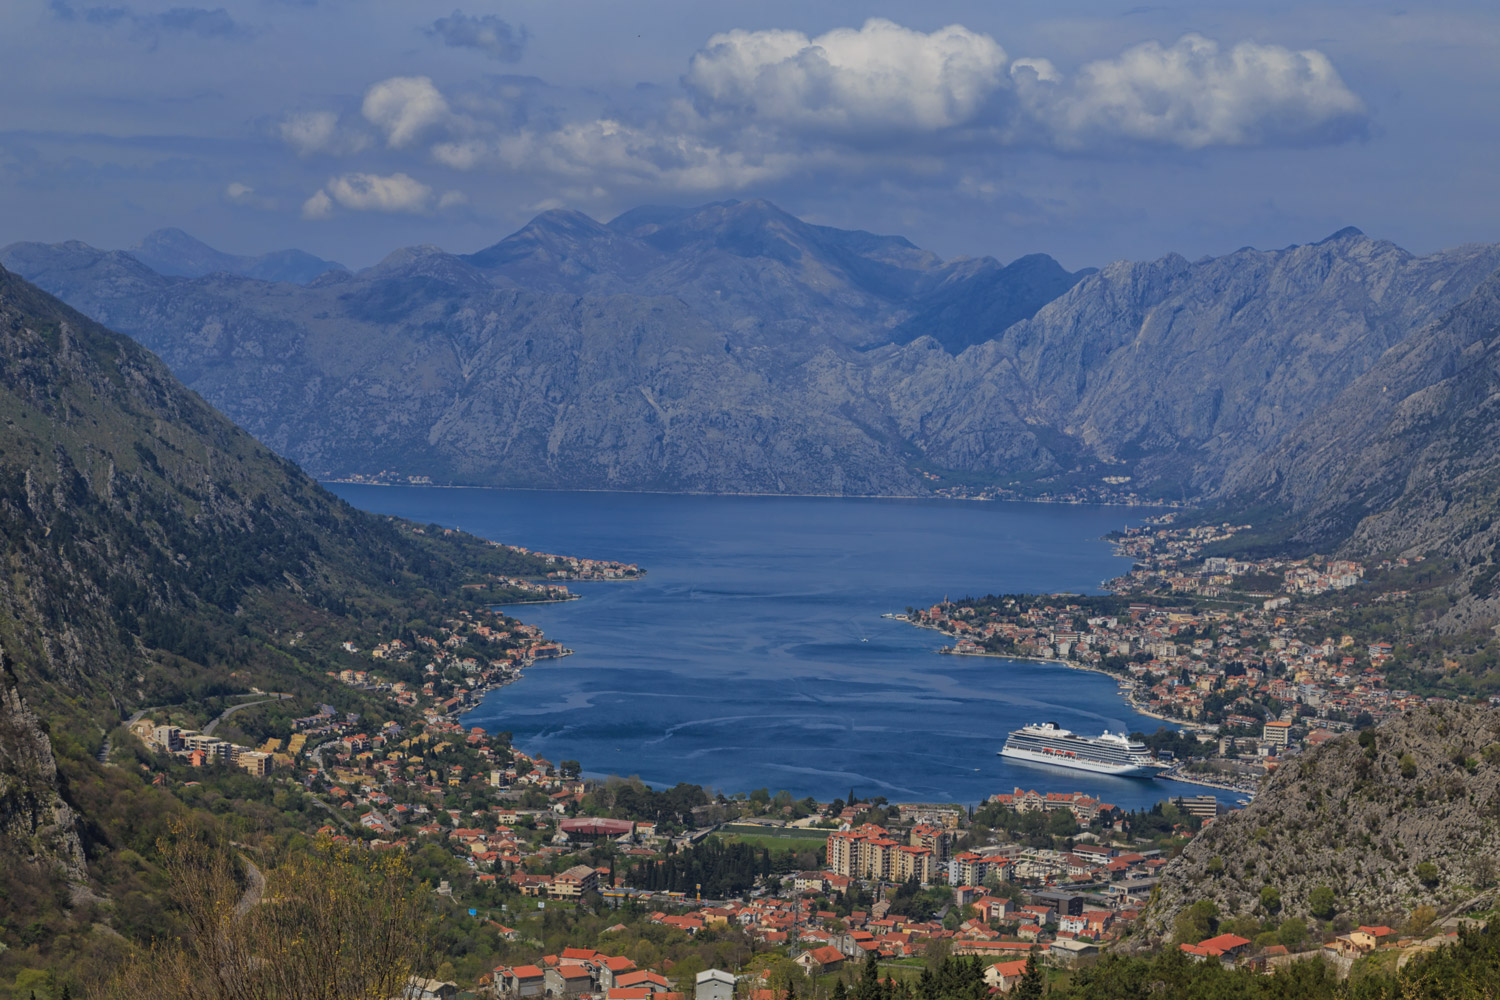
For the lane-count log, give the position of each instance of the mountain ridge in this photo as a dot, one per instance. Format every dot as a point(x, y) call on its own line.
point(174, 253)
point(735, 348)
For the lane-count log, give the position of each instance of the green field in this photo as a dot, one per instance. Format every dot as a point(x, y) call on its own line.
point(775, 838)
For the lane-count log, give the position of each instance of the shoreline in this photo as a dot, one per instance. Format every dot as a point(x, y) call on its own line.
point(1126, 691)
point(1164, 504)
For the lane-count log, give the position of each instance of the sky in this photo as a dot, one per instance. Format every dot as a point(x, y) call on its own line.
point(1088, 130)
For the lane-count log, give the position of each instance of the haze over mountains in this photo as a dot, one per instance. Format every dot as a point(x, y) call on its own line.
point(734, 347)
point(174, 252)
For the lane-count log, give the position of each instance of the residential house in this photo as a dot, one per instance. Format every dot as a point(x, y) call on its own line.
point(715, 984)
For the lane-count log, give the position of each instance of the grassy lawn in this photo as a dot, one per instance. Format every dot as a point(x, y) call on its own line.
point(774, 838)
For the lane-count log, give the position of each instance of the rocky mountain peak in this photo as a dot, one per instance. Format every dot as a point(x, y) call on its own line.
point(171, 251)
point(1385, 819)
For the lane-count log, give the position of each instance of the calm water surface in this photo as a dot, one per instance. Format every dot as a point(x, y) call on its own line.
point(753, 654)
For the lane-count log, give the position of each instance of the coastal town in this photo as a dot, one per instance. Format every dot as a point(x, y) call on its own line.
point(661, 893)
point(1249, 657)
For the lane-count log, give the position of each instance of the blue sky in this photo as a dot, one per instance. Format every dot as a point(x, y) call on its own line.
point(1092, 131)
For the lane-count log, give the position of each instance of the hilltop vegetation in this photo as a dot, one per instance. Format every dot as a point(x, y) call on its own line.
point(1361, 830)
point(156, 555)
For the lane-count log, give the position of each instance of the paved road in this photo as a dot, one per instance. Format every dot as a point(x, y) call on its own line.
point(109, 740)
point(208, 730)
point(255, 888)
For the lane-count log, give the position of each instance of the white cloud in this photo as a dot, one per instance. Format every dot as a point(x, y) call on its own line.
point(464, 154)
point(319, 206)
point(881, 101)
point(884, 83)
point(626, 155)
point(1193, 94)
point(372, 192)
point(452, 199)
point(404, 107)
point(879, 77)
point(313, 132)
point(239, 193)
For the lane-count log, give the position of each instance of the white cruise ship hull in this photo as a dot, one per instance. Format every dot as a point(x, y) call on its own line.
point(1080, 763)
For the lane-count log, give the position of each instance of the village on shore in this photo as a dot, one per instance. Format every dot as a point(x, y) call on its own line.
point(1248, 656)
point(820, 889)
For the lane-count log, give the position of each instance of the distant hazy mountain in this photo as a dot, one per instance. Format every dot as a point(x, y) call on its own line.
point(734, 347)
point(174, 252)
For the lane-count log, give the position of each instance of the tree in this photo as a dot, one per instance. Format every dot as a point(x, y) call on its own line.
point(1032, 985)
point(1421, 919)
point(330, 922)
point(1427, 874)
point(1197, 922)
point(1292, 932)
point(1322, 903)
point(1270, 899)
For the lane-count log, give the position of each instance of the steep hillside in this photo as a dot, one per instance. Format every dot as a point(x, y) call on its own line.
point(155, 554)
point(1403, 815)
point(1406, 459)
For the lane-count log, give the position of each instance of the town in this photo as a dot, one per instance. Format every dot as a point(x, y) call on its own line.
point(653, 893)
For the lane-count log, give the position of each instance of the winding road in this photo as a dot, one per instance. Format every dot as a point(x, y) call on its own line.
point(208, 730)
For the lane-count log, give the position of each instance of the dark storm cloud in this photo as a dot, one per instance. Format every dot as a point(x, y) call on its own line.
point(487, 34)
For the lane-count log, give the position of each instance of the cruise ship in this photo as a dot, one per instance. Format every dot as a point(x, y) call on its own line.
point(1111, 753)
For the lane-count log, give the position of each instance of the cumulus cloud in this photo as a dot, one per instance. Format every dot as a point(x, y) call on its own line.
point(878, 77)
point(627, 155)
point(200, 21)
point(1194, 94)
point(404, 107)
point(880, 100)
point(362, 192)
point(319, 206)
point(886, 83)
point(487, 34)
point(239, 193)
point(313, 132)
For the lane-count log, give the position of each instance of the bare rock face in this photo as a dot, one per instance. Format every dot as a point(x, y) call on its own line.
point(36, 826)
point(1403, 815)
point(736, 348)
point(1406, 460)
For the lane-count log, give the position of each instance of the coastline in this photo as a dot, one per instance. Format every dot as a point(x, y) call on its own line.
point(1167, 504)
point(1127, 691)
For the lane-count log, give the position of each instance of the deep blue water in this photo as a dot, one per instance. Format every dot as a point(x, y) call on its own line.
point(753, 654)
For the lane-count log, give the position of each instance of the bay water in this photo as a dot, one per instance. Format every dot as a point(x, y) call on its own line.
point(753, 653)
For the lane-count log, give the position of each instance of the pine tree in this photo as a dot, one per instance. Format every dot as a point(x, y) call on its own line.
point(1032, 985)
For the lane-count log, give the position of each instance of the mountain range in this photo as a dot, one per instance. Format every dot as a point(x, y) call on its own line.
point(734, 347)
point(174, 252)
